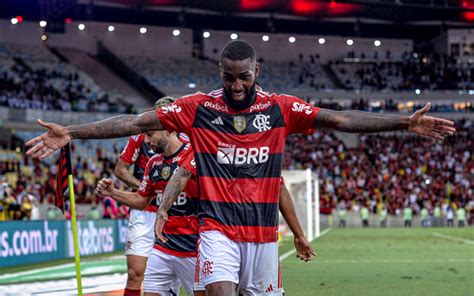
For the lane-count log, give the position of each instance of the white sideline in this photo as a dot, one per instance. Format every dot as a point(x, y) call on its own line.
point(453, 238)
point(293, 251)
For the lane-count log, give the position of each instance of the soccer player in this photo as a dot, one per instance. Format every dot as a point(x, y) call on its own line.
point(238, 136)
point(140, 235)
point(173, 262)
point(187, 170)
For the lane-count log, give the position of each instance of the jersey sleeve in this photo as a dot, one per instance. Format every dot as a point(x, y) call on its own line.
point(131, 150)
point(188, 162)
point(179, 116)
point(146, 187)
point(299, 115)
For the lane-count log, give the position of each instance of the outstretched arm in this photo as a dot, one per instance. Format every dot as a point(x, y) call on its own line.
point(304, 250)
point(366, 122)
point(130, 199)
point(175, 186)
point(58, 136)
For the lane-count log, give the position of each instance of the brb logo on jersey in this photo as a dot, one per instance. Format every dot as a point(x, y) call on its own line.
point(300, 107)
point(238, 156)
point(181, 200)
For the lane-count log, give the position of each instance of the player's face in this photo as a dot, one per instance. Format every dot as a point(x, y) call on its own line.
point(158, 141)
point(238, 77)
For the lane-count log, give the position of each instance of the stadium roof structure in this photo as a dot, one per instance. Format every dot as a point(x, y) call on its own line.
point(416, 19)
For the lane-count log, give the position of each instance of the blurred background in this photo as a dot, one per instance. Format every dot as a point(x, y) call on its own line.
point(72, 61)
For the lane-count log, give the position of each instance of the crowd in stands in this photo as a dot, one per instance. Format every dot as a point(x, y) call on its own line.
point(391, 105)
point(27, 184)
point(33, 78)
point(415, 71)
point(305, 75)
point(181, 76)
point(391, 171)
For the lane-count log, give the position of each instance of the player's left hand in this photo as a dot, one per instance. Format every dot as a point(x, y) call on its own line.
point(433, 127)
point(161, 218)
point(304, 250)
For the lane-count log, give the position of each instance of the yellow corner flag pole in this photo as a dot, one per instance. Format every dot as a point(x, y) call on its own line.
point(72, 198)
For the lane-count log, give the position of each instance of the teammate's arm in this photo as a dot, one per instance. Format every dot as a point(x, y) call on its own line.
point(133, 200)
point(304, 250)
point(175, 186)
point(58, 136)
point(366, 122)
point(122, 171)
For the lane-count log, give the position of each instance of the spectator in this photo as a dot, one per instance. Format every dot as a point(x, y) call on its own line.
point(461, 216)
point(407, 216)
point(110, 208)
point(364, 214)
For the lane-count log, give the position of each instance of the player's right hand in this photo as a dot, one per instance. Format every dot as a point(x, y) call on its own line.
point(56, 137)
point(105, 187)
point(161, 218)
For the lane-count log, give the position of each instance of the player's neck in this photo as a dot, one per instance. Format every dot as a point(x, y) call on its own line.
point(173, 147)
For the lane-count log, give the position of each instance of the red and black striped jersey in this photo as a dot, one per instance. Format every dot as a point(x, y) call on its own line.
point(137, 152)
point(181, 229)
point(239, 156)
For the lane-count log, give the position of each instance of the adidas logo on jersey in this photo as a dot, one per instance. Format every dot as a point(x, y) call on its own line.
point(218, 121)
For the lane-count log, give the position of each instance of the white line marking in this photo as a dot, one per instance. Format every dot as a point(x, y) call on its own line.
point(56, 267)
point(293, 251)
point(37, 270)
point(453, 238)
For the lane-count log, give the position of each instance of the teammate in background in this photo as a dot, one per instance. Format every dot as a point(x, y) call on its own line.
point(407, 216)
point(171, 263)
point(425, 217)
point(364, 215)
point(461, 216)
point(383, 216)
point(238, 136)
point(140, 236)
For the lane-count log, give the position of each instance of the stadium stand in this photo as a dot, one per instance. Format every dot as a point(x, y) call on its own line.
point(394, 170)
point(33, 78)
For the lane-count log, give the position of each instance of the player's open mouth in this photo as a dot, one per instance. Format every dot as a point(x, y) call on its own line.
point(238, 96)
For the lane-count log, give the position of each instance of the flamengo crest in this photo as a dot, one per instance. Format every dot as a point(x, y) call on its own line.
point(262, 122)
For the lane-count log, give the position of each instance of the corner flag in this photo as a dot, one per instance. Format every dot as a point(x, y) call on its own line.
point(65, 184)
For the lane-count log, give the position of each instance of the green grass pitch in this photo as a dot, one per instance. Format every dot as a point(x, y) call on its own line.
point(382, 262)
point(391, 261)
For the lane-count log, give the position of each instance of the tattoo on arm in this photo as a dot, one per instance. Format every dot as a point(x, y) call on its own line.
point(175, 186)
point(116, 127)
point(360, 122)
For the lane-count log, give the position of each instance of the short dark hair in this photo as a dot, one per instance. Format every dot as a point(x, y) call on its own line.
point(161, 102)
point(238, 50)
